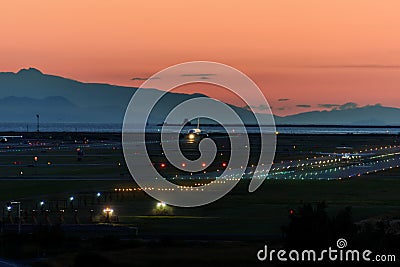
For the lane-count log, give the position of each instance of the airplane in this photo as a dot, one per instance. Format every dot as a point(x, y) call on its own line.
point(3, 139)
point(196, 132)
point(345, 152)
point(347, 155)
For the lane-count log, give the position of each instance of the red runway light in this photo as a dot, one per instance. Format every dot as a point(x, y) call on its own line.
point(224, 164)
point(163, 165)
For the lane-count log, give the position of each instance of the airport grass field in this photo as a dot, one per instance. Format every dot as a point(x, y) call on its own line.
point(49, 170)
point(260, 213)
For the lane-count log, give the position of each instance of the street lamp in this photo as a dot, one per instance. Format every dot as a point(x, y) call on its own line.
point(108, 212)
point(98, 195)
point(161, 205)
point(71, 201)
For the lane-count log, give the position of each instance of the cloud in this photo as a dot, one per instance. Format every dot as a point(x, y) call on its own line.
point(349, 105)
point(358, 66)
point(260, 107)
point(144, 78)
point(303, 106)
point(198, 74)
point(283, 99)
point(328, 105)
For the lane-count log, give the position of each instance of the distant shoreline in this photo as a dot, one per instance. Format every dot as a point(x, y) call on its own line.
point(45, 127)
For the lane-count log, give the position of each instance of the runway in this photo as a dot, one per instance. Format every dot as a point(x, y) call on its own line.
point(321, 168)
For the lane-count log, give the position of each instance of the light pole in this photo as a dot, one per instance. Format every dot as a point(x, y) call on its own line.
point(71, 202)
point(42, 205)
point(98, 195)
point(35, 159)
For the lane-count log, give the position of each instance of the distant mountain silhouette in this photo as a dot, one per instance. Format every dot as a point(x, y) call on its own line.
point(57, 99)
point(368, 115)
point(33, 83)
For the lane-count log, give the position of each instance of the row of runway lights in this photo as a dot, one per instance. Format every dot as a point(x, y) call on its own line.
point(224, 164)
point(278, 170)
point(307, 174)
point(317, 164)
point(181, 187)
point(344, 168)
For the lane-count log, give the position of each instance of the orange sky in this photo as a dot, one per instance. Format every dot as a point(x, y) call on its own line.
point(311, 52)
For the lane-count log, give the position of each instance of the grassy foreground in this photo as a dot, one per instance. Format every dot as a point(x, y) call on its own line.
point(238, 213)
